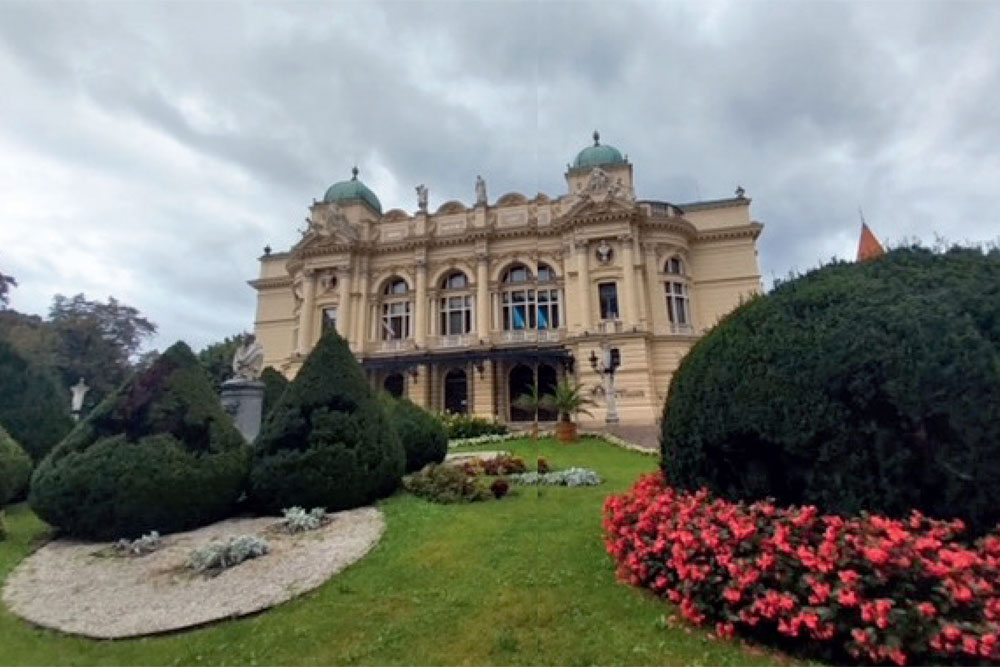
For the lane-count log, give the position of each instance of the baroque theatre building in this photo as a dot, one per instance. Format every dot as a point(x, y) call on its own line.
point(466, 307)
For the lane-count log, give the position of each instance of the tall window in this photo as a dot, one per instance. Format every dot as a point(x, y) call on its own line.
point(329, 319)
point(396, 310)
point(455, 309)
point(527, 303)
point(675, 266)
point(678, 307)
point(607, 293)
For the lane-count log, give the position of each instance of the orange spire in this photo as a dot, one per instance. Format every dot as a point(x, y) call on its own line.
point(868, 246)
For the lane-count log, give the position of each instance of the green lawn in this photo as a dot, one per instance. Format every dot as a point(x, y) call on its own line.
point(521, 581)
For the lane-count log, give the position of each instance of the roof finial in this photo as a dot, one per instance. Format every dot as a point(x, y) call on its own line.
point(354, 173)
point(597, 138)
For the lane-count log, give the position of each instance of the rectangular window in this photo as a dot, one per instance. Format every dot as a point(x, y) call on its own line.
point(678, 308)
point(608, 295)
point(395, 321)
point(329, 319)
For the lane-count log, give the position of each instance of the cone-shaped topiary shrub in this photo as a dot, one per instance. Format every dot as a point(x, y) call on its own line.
point(423, 435)
point(158, 454)
point(274, 386)
point(32, 407)
point(15, 468)
point(328, 442)
point(871, 386)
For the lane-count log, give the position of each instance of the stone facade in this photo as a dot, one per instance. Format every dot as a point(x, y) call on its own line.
point(461, 308)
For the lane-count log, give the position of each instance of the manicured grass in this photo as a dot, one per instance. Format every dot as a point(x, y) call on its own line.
point(524, 580)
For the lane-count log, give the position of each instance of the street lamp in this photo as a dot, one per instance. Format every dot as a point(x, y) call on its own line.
point(607, 365)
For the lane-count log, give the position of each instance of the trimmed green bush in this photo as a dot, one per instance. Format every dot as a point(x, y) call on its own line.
point(158, 454)
point(871, 386)
point(32, 407)
point(328, 442)
point(274, 386)
point(15, 469)
point(422, 434)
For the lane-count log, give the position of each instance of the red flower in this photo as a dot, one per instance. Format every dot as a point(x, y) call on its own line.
point(927, 609)
point(848, 598)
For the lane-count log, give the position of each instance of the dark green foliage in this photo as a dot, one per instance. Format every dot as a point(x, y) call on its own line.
point(466, 426)
point(328, 442)
point(274, 386)
point(446, 484)
point(15, 469)
point(32, 407)
point(158, 454)
point(872, 386)
point(217, 358)
point(422, 434)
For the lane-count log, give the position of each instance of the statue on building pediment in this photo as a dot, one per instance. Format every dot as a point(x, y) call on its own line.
point(331, 221)
point(598, 182)
point(422, 197)
point(480, 191)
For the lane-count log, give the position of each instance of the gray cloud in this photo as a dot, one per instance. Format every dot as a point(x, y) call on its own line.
point(150, 150)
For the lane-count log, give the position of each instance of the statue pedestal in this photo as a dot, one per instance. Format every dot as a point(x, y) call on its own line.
point(244, 400)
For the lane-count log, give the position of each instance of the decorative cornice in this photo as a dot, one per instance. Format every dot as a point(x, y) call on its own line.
point(751, 231)
point(270, 283)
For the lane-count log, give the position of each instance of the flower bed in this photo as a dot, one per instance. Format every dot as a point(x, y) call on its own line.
point(866, 588)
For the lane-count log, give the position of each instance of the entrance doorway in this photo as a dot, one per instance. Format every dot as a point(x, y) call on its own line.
point(546, 387)
point(521, 380)
point(394, 384)
point(456, 391)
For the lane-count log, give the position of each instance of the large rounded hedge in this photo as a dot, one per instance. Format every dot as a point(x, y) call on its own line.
point(423, 435)
point(871, 386)
point(15, 468)
point(158, 454)
point(33, 409)
point(328, 441)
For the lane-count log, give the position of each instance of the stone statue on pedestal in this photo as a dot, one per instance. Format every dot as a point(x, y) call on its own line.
point(79, 390)
point(248, 362)
point(422, 197)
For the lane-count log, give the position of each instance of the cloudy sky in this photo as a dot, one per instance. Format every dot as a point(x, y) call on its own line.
point(149, 151)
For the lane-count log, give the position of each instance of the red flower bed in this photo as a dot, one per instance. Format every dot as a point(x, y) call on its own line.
point(875, 589)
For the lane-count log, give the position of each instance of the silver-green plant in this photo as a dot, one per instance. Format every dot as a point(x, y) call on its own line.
point(297, 520)
point(146, 544)
point(568, 477)
point(221, 555)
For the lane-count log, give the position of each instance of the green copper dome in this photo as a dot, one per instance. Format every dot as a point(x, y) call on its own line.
point(352, 189)
point(597, 155)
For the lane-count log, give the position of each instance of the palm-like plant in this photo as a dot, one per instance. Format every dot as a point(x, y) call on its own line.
point(569, 400)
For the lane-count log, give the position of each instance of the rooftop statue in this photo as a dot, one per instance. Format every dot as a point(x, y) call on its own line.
point(422, 197)
point(480, 191)
point(248, 362)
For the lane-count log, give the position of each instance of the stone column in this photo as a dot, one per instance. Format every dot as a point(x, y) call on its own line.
point(419, 385)
point(420, 305)
point(583, 280)
point(482, 297)
point(630, 303)
point(361, 317)
point(344, 316)
point(482, 395)
point(654, 290)
point(306, 312)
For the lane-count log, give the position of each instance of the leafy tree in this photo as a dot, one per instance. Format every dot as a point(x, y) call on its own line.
point(32, 407)
point(217, 358)
point(871, 386)
point(6, 282)
point(157, 454)
point(328, 442)
point(96, 341)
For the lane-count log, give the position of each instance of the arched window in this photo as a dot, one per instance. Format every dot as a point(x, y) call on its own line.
point(675, 266)
point(396, 310)
point(525, 307)
point(395, 384)
point(455, 305)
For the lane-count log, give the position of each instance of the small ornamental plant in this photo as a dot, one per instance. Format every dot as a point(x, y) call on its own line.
point(445, 484)
point(141, 546)
point(500, 488)
point(866, 589)
point(298, 520)
point(215, 557)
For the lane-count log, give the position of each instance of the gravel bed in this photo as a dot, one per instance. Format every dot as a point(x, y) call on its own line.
point(83, 588)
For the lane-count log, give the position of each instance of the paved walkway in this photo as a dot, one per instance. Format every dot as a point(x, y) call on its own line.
point(647, 437)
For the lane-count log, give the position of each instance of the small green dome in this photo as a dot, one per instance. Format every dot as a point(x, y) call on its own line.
point(352, 189)
point(597, 155)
